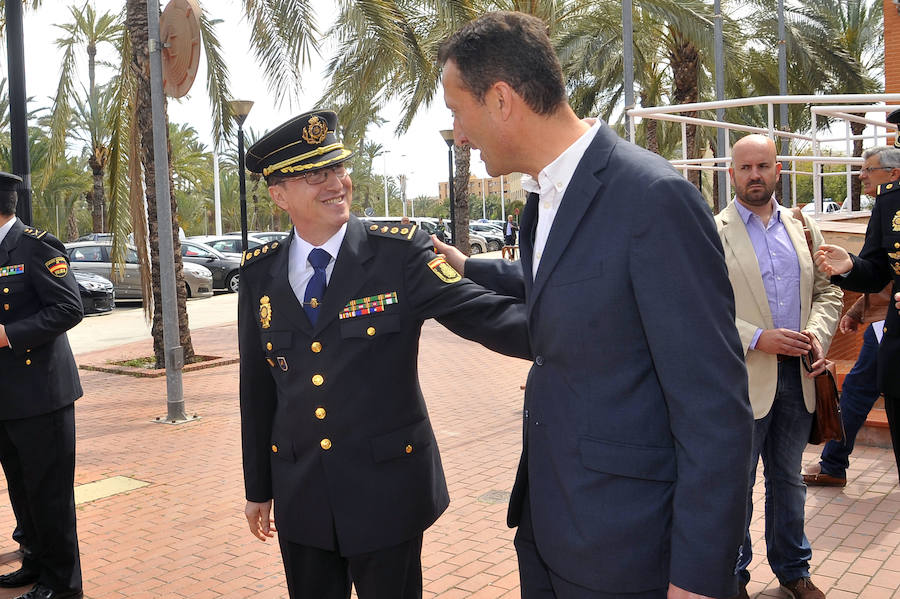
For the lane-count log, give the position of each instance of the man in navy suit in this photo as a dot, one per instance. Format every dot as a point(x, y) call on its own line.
point(637, 425)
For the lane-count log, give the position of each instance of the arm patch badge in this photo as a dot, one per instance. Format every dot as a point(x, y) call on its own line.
point(58, 266)
point(443, 270)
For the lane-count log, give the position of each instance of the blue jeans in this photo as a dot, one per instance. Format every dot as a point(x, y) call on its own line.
point(858, 395)
point(780, 438)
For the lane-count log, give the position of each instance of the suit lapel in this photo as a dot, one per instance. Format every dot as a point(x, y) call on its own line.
point(584, 188)
point(526, 240)
point(284, 303)
point(348, 275)
point(741, 247)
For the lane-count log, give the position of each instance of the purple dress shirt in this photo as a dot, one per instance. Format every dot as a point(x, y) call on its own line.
point(778, 265)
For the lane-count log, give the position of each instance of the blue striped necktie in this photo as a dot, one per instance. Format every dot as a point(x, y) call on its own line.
point(315, 289)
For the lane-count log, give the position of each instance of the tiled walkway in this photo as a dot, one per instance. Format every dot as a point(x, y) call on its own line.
point(184, 534)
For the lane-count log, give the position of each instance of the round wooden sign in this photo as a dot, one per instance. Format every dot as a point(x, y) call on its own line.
point(179, 31)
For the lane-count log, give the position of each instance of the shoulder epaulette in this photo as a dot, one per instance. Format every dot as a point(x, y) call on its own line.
point(886, 187)
point(258, 253)
point(32, 232)
point(394, 231)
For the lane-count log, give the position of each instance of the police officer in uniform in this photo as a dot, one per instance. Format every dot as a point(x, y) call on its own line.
point(877, 264)
point(39, 384)
point(335, 429)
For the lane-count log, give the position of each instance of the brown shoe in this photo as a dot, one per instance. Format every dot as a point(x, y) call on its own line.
point(824, 480)
point(802, 588)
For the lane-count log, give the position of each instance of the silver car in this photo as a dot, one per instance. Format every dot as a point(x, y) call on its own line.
point(94, 256)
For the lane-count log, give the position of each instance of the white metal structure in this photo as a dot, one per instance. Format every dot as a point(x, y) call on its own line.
point(846, 107)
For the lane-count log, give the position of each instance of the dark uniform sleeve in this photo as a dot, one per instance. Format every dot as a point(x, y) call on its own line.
point(437, 291)
point(258, 397)
point(60, 302)
point(871, 271)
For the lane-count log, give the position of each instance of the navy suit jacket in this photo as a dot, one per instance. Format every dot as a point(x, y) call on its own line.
point(637, 423)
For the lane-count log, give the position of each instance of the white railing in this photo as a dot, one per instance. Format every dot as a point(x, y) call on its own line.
point(845, 107)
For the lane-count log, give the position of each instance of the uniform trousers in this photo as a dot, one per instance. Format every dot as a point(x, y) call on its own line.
point(38, 458)
point(780, 438)
point(391, 573)
point(538, 581)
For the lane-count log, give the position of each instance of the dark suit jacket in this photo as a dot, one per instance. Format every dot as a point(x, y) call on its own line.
point(637, 421)
point(37, 373)
point(377, 480)
point(878, 264)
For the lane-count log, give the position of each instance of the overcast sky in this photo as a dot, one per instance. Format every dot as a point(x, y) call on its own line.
point(422, 152)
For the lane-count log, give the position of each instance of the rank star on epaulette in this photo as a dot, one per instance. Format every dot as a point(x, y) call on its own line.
point(262, 250)
point(398, 231)
point(32, 232)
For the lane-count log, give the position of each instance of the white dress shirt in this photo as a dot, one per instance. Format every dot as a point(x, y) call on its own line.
point(5, 228)
point(300, 271)
point(551, 185)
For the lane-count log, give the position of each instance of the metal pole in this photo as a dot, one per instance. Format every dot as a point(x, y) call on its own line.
point(18, 111)
point(722, 200)
point(628, 57)
point(451, 194)
point(217, 195)
point(502, 203)
point(403, 193)
point(384, 163)
point(783, 90)
point(242, 179)
point(483, 204)
point(171, 339)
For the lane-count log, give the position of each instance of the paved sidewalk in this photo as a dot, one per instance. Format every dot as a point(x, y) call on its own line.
point(184, 534)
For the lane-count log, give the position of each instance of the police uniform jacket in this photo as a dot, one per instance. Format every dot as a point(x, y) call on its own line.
point(39, 302)
point(334, 425)
point(877, 264)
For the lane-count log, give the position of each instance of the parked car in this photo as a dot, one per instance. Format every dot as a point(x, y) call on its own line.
point(827, 207)
point(93, 256)
point(266, 236)
point(492, 235)
point(228, 244)
point(225, 270)
point(97, 293)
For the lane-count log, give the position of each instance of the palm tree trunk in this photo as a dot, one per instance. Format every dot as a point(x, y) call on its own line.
point(72, 224)
point(97, 197)
point(685, 61)
point(651, 128)
point(461, 198)
point(136, 22)
point(855, 186)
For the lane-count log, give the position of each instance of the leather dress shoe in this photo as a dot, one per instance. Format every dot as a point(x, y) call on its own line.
point(802, 588)
point(44, 592)
point(823, 479)
point(19, 578)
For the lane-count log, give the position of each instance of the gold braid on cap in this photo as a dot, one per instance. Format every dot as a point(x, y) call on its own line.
point(281, 166)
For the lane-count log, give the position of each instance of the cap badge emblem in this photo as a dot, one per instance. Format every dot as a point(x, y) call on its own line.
point(314, 133)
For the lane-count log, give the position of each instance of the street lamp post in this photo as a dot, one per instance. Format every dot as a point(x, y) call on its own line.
point(447, 134)
point(239, 111)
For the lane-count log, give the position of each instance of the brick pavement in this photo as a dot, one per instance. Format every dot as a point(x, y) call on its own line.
point(184, 534)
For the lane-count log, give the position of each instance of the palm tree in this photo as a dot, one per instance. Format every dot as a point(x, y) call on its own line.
point(89, 30)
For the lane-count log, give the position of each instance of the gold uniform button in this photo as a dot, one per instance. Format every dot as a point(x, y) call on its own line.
point(316, 347)
point(370, 331)
point(320, 413)
point(6, 306)
point(274, 449)
point(6, 290)
point(897, 245)
point(326, 444)
point(408, 449)
point(317, 380)
point(27, 362)
point(269, 346)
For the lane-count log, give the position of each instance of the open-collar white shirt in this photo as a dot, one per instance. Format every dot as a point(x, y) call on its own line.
point(5, 228)
point(551, 185)
point(300, 271)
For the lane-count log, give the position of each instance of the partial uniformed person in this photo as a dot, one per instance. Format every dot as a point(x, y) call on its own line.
point(877, 264)
point(39, 302)
point(334, 426)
